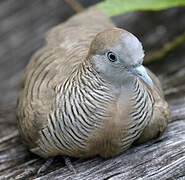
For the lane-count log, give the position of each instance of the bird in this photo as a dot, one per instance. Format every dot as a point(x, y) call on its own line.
point(86, 92)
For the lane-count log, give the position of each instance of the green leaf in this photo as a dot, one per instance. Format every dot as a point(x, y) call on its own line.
point(116, 7)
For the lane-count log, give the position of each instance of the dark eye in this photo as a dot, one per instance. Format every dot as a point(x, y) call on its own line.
point(111, 56)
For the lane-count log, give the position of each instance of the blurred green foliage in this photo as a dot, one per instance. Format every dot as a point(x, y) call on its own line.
point(116, 7)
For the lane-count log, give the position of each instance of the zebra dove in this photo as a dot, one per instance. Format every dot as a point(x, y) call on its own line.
point(86, 92)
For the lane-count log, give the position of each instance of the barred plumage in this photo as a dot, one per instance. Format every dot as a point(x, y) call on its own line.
point(141, 112)
point(86, 92)
point(81, 108)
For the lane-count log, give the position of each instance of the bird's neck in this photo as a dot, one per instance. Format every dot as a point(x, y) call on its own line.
point(90, 76)
point(84, 92)
point(140, 90)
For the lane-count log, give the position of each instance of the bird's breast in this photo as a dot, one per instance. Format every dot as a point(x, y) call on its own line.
point(107, 140)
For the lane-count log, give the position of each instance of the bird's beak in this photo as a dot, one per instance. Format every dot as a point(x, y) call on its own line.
point(141, 72)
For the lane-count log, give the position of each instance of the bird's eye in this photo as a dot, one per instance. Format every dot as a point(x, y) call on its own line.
point(111, 56)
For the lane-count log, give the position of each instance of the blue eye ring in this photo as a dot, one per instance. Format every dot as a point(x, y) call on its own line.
point(112, 57)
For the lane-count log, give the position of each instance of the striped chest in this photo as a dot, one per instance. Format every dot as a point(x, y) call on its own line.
point(140, 114)
point(81, 105)
point(81, 126)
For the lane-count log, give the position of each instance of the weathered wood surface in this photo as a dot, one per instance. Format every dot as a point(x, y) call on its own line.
point(22, 27)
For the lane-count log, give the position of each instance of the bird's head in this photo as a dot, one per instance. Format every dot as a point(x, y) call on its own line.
point(118, 55)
